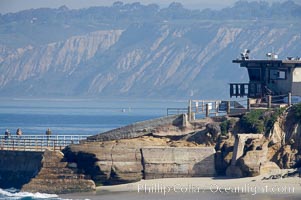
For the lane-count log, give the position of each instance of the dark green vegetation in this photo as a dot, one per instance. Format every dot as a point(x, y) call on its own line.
point(260, 121)
point(227, 125)
point(297, 111)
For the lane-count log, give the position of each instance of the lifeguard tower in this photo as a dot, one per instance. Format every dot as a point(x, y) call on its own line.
point(268, 77)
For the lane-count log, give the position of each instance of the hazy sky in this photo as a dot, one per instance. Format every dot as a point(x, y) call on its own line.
point(17, 5)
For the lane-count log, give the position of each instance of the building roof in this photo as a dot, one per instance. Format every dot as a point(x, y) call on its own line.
point(286, 62)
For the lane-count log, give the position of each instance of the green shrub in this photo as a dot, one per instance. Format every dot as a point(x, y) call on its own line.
point(260, 121)
point(297, 111)
point(224, 127)
point(271, 119)
point(252, 122)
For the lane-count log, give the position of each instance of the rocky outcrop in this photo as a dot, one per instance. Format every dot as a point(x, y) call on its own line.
point(207, 134)
point(277, 149)
point(129, 160)
point(57, 176)
point(269, 168)
point(250, 163)
point(224, 153)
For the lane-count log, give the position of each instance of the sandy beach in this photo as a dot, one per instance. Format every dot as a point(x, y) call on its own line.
point(252, 185)
point(200, 188)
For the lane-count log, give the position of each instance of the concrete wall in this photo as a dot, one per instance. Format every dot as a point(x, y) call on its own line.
point(169, 162)
point(18, 167)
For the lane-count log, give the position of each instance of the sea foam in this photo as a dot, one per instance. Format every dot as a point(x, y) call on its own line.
point(15, 194)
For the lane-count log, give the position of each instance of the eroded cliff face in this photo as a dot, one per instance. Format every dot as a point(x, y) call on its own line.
point(144, 59)
point(53, 63)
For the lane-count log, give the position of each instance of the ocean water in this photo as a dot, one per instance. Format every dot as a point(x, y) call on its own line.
point(77, 116)
point(13, 194)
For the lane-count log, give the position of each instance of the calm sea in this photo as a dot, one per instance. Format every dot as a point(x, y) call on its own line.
point(77, 116)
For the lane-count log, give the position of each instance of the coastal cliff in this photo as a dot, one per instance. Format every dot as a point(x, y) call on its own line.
point(134, 50)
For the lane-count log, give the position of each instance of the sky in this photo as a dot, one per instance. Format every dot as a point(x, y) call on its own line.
point(7, 6)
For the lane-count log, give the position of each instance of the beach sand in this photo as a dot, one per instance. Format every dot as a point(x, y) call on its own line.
point(200, 188)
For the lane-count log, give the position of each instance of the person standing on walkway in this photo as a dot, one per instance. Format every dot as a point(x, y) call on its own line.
point(19, 132)
point(48, 133)
point(7, 134)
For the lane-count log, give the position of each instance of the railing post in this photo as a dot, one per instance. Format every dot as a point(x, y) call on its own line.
point(269, 101)
point(248, 104)
point(207, 110)
point(228, 107)
point(289, 99)
point(189, 110)
point(216, 108)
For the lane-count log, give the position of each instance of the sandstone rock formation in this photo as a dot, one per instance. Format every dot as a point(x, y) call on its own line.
point(269, 168)
point(277, 149)
point(122, 161)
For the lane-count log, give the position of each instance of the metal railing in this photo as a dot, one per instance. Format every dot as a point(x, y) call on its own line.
point(206, 108)
point(39, 142)
point(176, 111)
